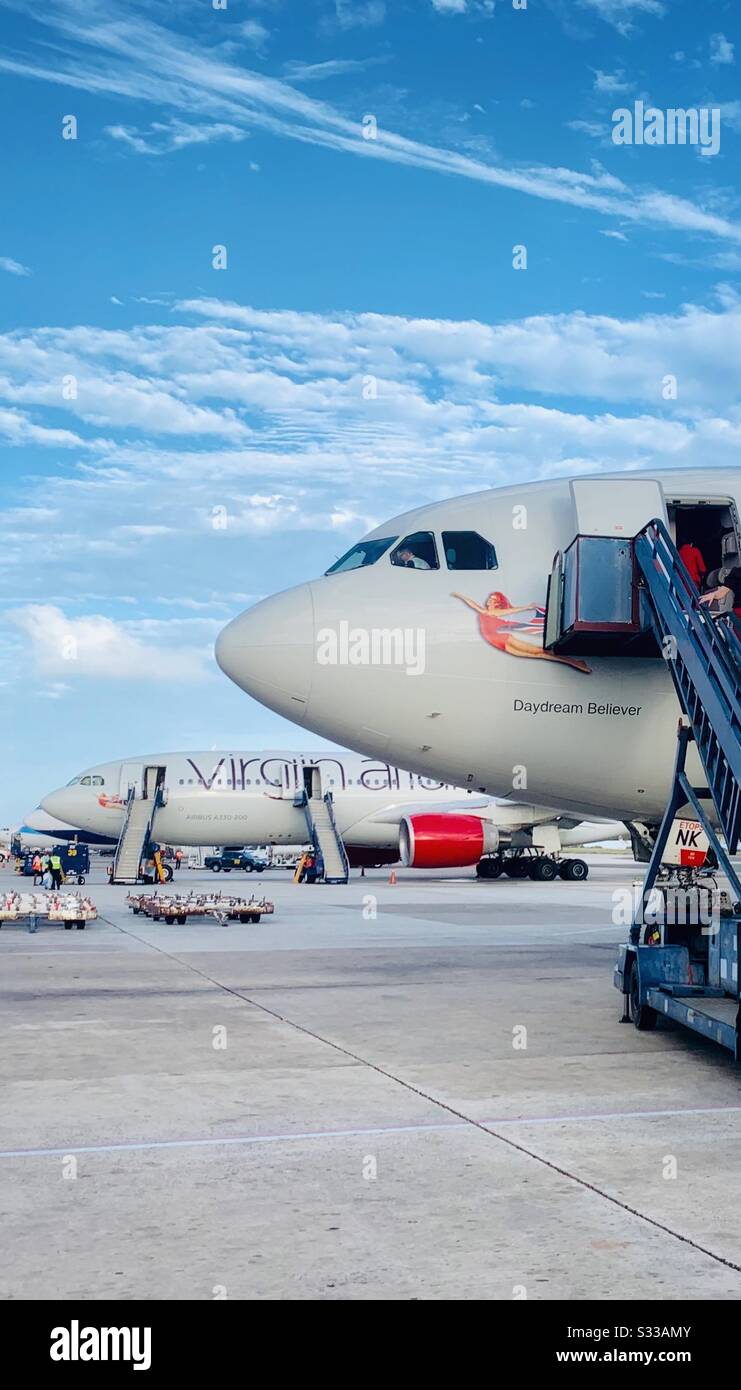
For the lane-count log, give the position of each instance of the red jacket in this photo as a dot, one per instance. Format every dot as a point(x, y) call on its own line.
point(693, 561)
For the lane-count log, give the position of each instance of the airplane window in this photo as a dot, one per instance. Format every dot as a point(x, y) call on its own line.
point(365, 553)
point(181, 780)
point(98, 781)
point(85, 782)
point(467, 550)
point(74, 782)
point(417, 552)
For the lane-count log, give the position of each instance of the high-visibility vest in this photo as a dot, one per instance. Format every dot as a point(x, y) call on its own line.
point(55, 862)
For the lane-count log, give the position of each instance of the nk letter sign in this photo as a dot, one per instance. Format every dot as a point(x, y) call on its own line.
point(687, 845)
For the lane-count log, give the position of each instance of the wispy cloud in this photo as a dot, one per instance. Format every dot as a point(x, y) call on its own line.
point(721, 50)
point(357, 14)
point(13, 267)
point(164, 137)
point(113, 52)
point(611, 82)
point(299, 432)
point(622, 13)
point(98, 646)
point(332, 67)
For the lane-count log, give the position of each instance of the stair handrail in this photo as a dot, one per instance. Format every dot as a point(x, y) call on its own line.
point(713, 631)
point(130, 797)
point(712, 660)
point(328, 801)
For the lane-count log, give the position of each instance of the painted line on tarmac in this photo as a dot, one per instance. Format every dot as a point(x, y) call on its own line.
point(230, 1141)
point(368, 1132)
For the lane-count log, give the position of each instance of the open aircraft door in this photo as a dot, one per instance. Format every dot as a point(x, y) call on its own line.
point(616, 507)
point(131, 776)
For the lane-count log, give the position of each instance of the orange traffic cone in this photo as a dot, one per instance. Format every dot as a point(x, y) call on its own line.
point(392, 876)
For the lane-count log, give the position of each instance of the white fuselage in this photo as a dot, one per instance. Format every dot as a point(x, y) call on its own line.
point(442, 669)
point(246, 798)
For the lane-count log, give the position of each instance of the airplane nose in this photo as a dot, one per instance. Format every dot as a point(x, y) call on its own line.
point(269, 651)
point(57, 804)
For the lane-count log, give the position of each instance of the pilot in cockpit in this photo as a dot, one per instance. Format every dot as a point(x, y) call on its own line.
point(410, 559)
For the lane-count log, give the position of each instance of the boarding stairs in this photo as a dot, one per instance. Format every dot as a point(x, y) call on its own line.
point(136, 835)
point(322, 828)
point(630, 595)
point(703, 653)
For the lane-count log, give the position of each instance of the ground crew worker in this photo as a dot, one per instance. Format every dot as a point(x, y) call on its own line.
point(178, 858)
point(38, 870)
point(55, 866)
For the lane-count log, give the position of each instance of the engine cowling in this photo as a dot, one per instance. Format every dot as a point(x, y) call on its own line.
point(431, 841)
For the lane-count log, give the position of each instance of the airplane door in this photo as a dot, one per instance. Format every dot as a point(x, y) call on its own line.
point(616, 506)
point(131, 776)
point(313, 781)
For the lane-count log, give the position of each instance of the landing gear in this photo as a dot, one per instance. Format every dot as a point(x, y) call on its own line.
point(517, 868)
point(491, 867)
point(574, 870)
point(542, 869)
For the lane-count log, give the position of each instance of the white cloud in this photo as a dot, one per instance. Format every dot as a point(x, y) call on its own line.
point(141, 60)
point(621, 13)
point(254, 33)
point(459, 405)
point(13, 267)
point(163, 138)
point(721, 50)
point(611, 81)
point(332, 67)
point(359, 14)
point(597, 129)
point(98, 646)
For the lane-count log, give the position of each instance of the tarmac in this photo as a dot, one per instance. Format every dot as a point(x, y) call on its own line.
point(417, 1090)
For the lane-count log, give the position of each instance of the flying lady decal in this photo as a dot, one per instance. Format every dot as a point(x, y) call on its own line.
point(501, 629)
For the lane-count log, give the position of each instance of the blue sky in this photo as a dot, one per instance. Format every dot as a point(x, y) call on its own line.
point(142, 390)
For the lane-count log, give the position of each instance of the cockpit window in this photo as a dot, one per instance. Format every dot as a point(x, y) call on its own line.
point(467, 550)
point(362, 554)
point(85, 781)
point(98, 781)
point(74, 782)
point(417, 552)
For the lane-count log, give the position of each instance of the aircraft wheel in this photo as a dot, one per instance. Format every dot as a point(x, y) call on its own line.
point(80, 926)
point(543, 870)
point(68, 926)
point(642, 1015)
point(80, 878)
point(517, 868)
point(490, 868)
point(574, 870)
